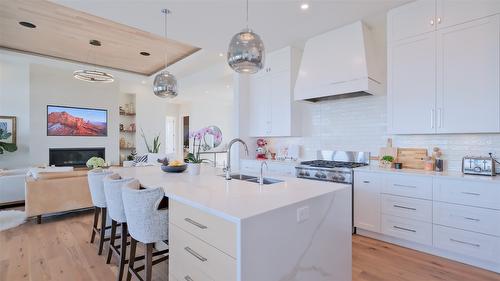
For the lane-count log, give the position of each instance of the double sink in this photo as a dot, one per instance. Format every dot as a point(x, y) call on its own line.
point(254, 179)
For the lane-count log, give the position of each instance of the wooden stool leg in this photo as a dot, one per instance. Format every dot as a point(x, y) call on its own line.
point(96, 220)
point(149, 261)
point(39, 219)
point(111, 240)
point(103, 230)
point(131, 260)
point(123, 251)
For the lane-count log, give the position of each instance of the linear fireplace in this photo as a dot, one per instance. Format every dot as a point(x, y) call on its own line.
point(76, 157)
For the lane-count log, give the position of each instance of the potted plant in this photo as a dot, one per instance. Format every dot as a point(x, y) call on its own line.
point(193, 158)
point(154, 154)
point(130, 160)
point(386, 161)
point(5, 146)
point(96, 163)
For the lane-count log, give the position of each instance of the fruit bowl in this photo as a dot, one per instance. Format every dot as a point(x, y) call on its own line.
point(174, 169)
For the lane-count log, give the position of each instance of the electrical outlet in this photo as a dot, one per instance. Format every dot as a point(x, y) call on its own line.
point(302, 214)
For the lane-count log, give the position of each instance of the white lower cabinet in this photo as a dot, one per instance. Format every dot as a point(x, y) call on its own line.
point(202, 246)
point(408, 229)
point(467, 243)
point(454, 217)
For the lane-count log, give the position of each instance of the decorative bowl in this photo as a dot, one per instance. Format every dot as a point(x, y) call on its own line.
point(173, 169)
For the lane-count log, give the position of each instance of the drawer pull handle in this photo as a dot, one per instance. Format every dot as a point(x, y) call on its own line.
point(405, 229)
point(470, 193)
point(404, 185)
point(195, 254)
point(465, 243)
point(195, 223)
point(403, 207)
point(472, 219)
point(188, 278)
point(366, 181)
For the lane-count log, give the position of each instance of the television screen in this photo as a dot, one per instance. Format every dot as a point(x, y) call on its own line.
point(74, 121)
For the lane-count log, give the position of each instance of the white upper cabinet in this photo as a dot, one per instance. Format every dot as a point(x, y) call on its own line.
point(412, 85)
point(446, 80)
point(272, 111)
point(412, 19)
point(468, 77)
point(452, 12)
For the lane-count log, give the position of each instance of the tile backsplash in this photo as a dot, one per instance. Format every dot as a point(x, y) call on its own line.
point(360, 124)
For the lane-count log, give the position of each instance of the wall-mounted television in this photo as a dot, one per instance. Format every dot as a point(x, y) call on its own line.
point(76, 121)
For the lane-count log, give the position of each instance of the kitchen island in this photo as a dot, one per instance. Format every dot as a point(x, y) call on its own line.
point(224, 230)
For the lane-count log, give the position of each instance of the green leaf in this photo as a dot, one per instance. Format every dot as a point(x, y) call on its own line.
point(9, 147)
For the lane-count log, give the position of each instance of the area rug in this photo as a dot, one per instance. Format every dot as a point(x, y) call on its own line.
point(10, 219)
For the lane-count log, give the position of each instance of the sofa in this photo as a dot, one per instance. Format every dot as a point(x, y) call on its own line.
point(12, 186)
point(54, 192)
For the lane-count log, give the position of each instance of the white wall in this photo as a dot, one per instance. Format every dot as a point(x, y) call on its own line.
point(53, 86)
point(14, 101)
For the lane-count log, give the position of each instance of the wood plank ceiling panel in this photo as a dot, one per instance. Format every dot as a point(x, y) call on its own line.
point(64, 33)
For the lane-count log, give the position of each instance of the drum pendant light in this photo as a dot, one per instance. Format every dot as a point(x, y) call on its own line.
point(246, 51)
point(165, 83)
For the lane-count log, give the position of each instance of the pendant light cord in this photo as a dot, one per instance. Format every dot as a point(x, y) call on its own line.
point(166, 12)
point(247, 14)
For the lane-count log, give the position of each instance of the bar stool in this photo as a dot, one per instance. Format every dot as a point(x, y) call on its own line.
point(113, 190)
point(96, 187)
point(146, 224)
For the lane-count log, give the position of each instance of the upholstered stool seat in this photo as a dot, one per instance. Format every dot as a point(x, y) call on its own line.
point(96, 187)
point(147, 224)
point(113, 185)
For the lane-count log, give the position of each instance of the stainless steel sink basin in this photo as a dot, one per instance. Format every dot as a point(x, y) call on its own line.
point(266, 181)
point(253, 179)
point(241, 177)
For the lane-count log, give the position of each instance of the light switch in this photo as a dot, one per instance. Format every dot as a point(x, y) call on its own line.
point(302, 214)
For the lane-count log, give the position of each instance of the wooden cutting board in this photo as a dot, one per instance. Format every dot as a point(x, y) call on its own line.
point(412, 158)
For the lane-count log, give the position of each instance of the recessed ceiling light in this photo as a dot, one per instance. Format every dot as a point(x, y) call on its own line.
point(27, 24)
point(227, 86)
point(143, 81)
point(221, 54)
point(94, 42)
point(304, 6)
point(145, 54)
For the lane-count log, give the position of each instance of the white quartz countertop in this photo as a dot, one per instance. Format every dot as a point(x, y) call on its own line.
point(444, 174)
point(234, 200)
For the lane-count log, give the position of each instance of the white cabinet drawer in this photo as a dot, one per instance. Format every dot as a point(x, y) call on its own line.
point(412, 230)
point(467, 243)
point(417, 209)
point(409, 186)
point(468, 218)
point(181, 268)
point(195, 254)
point(470, 193)
point(216, 231)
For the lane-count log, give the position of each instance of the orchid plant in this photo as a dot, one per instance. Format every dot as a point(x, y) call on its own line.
point(199, 136)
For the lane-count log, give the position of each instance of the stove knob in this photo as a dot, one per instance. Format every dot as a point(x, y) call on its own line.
point(341, 178)
point(318, 175)
point(306, 174)
point(323, 176)
point(335, 177)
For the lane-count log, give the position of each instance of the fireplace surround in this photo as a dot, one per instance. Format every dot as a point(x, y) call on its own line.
point(76, 157)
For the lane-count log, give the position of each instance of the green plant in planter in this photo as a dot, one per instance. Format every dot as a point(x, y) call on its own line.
point(155, 148)
point(5, 146)
point(388, 158)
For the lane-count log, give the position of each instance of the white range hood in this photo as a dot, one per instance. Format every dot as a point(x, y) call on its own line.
point(340, 63)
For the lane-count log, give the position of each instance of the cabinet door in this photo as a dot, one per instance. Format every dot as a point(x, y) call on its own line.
point(452, 12)
point(280, 104)
point(258, 111)
point(468, 77)
point(367, 188)
point(412, 82)
point(412, 19)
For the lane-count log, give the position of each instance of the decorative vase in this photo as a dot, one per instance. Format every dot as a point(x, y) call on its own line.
point(194, 168)
point(385, 164)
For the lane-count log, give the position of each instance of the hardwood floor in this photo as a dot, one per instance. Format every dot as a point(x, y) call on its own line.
point(59, 249)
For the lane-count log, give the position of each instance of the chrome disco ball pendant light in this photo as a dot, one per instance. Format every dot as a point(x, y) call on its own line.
point(246, 53)
point(165, 83)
